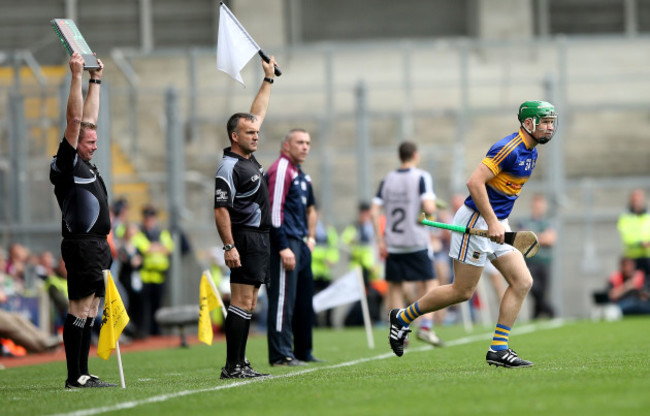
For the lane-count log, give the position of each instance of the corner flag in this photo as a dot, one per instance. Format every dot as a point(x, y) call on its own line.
point(114, 319)
point(208, 300)
point(345, 289)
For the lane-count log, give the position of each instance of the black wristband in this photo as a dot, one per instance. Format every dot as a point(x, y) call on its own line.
point(269, 80)
point(95, 81)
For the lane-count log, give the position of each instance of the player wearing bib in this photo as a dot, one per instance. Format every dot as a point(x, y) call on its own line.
point(493, 187)
point(403, 194)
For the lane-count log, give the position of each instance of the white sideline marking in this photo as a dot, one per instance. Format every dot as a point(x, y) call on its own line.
point(555, 323)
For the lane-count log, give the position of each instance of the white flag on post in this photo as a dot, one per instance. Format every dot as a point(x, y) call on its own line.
point(235, 47)
point(345, 289)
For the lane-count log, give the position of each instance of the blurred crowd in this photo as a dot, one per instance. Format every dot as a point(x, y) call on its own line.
point(33, 286)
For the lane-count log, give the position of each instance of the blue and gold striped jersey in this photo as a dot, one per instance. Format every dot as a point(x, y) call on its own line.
point(512, 163)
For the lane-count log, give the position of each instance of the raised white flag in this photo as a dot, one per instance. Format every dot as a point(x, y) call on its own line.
point(235, 47)
point(345, 289)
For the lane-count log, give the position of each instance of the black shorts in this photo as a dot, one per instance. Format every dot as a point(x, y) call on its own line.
point(254, 248)
point(409, 267)
point(85, 259)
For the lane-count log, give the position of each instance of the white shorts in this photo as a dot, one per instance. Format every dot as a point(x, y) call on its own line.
point(472, 249)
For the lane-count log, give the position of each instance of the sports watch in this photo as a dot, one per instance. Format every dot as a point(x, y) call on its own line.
point(228, 247)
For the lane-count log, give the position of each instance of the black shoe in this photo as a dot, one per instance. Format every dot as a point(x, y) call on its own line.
point(398, 333)
point(235, 371)
point(86, 381)
point(506, 358)
point(312, 359)
point(287, 362)
point(99, 382)
point(248, 370)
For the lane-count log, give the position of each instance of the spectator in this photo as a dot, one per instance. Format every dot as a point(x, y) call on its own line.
point(359, 240)
point(129, 277)
point(56, 286)
point(8, 284)
point(634, 229)
point(120, 211)
point(626, 289)
point(22, 331)
point(17, 262)
point(324, 257)
point(155, 245)
point(540, 264)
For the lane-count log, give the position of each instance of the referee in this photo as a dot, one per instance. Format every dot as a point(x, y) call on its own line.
point(82, 197)
point(243, 218)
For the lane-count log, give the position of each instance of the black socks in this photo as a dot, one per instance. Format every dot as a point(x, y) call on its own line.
point(72, 341)
point(237, 326)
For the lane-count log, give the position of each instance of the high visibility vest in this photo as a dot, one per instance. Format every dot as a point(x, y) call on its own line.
point(154, 265)
point(59, 283)
point(361, 254)
point(634, 230)
point(325, 254)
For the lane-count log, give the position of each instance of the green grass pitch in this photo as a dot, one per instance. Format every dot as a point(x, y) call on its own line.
point(581, 368)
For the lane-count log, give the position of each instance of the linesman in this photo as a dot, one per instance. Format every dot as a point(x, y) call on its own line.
point(83, 199)
point(243, 218)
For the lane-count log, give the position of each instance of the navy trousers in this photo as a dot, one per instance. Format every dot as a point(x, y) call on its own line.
point(290, 314)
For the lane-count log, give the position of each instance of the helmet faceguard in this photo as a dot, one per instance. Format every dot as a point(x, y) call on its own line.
point(536, 111)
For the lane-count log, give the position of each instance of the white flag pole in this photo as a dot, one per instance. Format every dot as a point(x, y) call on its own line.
point(364, 310)
point(106, 273)
point(216, 292)
point(119, 363)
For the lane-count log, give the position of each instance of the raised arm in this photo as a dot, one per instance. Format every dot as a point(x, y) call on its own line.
point(91, 105)
point(74, 109)
point(261, 101)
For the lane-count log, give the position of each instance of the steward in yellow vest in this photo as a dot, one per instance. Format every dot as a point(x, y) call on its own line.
point(325, 254)
point(634, 229)
point(155, 246)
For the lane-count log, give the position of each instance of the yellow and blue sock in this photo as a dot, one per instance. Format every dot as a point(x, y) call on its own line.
point(500, 340)
point(409, 314)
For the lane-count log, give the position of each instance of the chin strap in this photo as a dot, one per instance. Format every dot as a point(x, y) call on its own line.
point(528, 131)
point(543, 140)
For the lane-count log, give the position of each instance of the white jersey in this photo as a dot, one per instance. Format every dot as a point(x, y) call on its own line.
point(401, 194)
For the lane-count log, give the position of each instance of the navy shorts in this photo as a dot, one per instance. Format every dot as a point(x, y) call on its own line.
point(85, 259)
point(409, 267)
point(254, 248)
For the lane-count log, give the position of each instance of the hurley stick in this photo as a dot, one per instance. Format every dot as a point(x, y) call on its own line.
point(524, 241)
